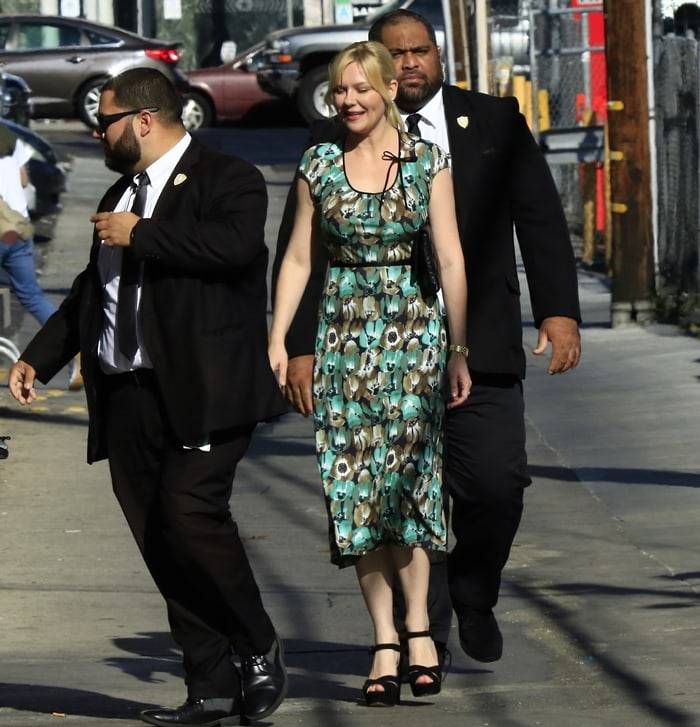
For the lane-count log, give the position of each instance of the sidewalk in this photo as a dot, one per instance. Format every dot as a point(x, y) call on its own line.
point(599, 605)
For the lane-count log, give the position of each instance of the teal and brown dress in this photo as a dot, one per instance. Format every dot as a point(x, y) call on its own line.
point(378, 385)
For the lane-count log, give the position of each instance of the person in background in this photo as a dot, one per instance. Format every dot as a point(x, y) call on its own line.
point(170, 317)
point(383, 365)
point(502, 184)
point(17, 250)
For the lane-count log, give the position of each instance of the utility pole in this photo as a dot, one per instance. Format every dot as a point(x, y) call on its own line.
point(458, 43)
point(632, 258)
point(482, 46)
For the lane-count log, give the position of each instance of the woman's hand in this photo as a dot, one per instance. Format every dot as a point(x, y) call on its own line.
point(459, 379)
point(278, 362)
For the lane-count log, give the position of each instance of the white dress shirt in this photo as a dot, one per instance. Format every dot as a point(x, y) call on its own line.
point(109, 263)
point(433, 126)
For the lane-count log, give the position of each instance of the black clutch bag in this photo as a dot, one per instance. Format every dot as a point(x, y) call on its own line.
point(423, 264)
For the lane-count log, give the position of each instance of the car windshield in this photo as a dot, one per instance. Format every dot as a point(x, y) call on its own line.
point(387, 8)
point(430, 9)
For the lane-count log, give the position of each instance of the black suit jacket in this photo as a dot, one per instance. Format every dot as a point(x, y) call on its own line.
point(501, 182)
point(204, 302)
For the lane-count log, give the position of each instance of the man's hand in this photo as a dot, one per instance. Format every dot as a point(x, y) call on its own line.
point(565, 337)
point(21, 382)
point(297, 390)
point(114, 228)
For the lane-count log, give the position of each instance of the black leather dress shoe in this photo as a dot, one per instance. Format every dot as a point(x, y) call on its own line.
point(198, 713)
point(264, 682)
point(479, 635)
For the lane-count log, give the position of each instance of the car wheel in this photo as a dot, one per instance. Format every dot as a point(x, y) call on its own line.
point(197, 112)
point(89, 101)
point(311, 98)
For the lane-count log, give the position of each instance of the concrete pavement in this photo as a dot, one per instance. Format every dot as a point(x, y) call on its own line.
point(599, 606)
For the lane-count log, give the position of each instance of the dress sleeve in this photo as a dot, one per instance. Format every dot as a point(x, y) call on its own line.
point(315, 164)
point(306, 163)
point(438, 158)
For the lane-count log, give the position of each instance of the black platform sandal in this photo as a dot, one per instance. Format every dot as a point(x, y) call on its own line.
point(391, 686)
point(415, 671)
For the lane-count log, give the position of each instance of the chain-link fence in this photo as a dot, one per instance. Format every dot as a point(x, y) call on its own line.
point(677, 82)
point(568, 69)
point(569, 107)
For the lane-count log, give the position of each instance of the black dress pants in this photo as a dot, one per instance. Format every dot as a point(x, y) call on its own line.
point(485, 477)
point(176, 502)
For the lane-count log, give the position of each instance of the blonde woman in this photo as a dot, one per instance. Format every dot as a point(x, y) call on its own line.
point(383, 368)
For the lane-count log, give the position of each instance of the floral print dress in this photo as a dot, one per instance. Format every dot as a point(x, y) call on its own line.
point(380, 359)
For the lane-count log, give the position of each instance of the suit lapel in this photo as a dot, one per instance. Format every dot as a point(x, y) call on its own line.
point(462, 132)
point(466, 145)
point(113, 195)
point(108, 202)
point(177, 183)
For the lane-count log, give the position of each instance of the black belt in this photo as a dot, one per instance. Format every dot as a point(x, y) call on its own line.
point(501, 381)
point(347, 264)
point(137, 377)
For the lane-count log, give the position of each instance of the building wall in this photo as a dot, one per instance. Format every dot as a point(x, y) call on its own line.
point(322, 12)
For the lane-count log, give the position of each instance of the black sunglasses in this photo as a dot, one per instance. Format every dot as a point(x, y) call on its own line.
point(104, 121)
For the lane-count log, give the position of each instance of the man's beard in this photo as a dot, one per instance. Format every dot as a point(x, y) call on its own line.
point(124, 154)
point(414, 96)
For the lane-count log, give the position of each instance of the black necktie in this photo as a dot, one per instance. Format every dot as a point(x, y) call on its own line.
point(129, 277)
point(412, 124)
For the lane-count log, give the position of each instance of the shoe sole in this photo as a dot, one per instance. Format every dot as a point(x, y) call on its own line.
point(429, 690)
point(221, 722)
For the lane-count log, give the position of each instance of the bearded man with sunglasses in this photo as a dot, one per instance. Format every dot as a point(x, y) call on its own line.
point(170, 318)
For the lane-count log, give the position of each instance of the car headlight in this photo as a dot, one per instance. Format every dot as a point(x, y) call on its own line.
point(277, 51)
point(280, 45)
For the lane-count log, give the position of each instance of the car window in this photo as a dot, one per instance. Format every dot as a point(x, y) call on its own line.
point(37, 36)
point(431, 10)
point(95, 38)
point(4, 32)
point(382, 10)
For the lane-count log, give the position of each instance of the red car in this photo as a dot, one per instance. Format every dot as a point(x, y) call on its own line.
point(225, 93)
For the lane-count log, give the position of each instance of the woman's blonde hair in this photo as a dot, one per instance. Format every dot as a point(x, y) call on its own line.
point(377, 65)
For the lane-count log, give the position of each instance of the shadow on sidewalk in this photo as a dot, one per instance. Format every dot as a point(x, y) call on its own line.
point(640, 691)
point(62, 701)
point(8, 414)
point(621, 475)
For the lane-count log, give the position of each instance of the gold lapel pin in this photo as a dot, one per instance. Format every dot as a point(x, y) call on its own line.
point(463, 121)
point(179, 179)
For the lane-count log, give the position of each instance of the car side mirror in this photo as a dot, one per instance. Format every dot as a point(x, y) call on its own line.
point(228, 51)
